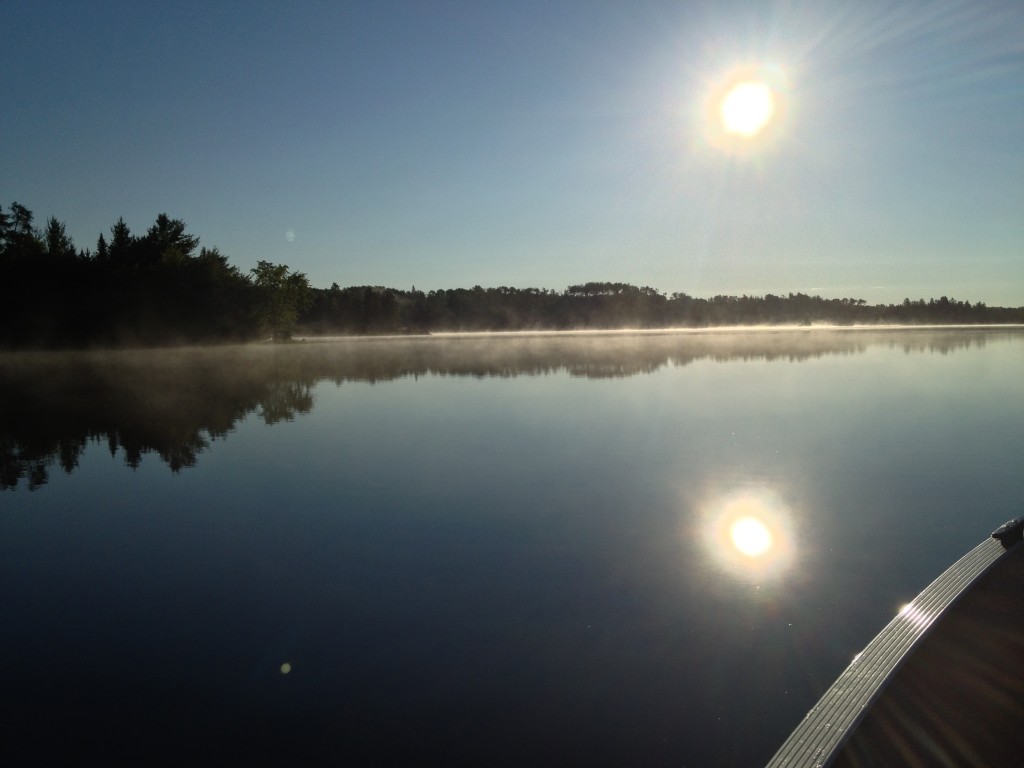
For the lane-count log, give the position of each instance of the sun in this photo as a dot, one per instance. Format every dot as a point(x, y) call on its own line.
point(749, 533)
point(750, 536)
point(747, 108)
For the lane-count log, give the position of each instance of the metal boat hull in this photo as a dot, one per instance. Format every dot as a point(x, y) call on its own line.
point(941, 685)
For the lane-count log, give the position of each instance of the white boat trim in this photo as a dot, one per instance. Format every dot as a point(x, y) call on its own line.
point(820, 737)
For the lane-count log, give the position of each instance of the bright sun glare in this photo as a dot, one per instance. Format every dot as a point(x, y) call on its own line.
point(749, 533)
point(750, 536)
point(746, 108)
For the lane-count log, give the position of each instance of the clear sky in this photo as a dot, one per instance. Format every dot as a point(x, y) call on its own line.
point(448, 144)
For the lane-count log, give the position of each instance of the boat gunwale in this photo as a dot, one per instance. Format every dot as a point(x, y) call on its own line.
point(820, 737)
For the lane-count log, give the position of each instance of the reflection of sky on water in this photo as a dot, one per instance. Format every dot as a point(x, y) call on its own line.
point(546, 555)
point(174, 403)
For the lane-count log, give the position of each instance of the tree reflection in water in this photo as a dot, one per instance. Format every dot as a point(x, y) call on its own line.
point(174, 403)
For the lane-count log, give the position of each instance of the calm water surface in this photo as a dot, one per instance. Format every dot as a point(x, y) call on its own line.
point(602, 550)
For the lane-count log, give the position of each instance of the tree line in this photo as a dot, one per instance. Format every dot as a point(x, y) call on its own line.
point(156, 288)
point(379, 310)
point(162, 287)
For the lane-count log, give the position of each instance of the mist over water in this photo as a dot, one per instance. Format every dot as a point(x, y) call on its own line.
point(175, 402)
point(574, 549)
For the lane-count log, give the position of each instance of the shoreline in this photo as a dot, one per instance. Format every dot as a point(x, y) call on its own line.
point(683, 331)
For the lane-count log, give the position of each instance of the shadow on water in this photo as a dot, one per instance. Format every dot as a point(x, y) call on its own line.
point(174, 403)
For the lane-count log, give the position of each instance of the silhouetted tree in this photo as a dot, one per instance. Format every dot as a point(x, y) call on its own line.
point(282, 294)
point(121, 243)
point(102, 253)
point(58, 244)
point(167, 242)
point(21, 219)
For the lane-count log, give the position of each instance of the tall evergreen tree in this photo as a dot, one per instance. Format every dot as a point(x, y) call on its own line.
point(58, 244)
point(102, 252)
point(166, 241)
point(121, 244)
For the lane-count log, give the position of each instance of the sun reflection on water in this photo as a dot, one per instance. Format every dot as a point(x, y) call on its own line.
point(749, 533)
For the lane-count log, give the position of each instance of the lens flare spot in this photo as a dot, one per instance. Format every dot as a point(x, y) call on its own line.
point(286, 668)
point(750, 536)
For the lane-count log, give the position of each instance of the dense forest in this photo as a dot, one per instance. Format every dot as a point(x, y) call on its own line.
point(156, 288)
point(373, 310)
point(162, 287)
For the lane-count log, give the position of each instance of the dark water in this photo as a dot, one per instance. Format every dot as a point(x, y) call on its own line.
point(497, 551)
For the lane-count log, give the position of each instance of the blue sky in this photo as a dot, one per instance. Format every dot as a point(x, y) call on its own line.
point(446, 144)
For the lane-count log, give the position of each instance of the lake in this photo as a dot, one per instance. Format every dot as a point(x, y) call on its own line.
point(599, 549)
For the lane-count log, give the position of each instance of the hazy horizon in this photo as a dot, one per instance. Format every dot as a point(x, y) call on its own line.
point(448, 144)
